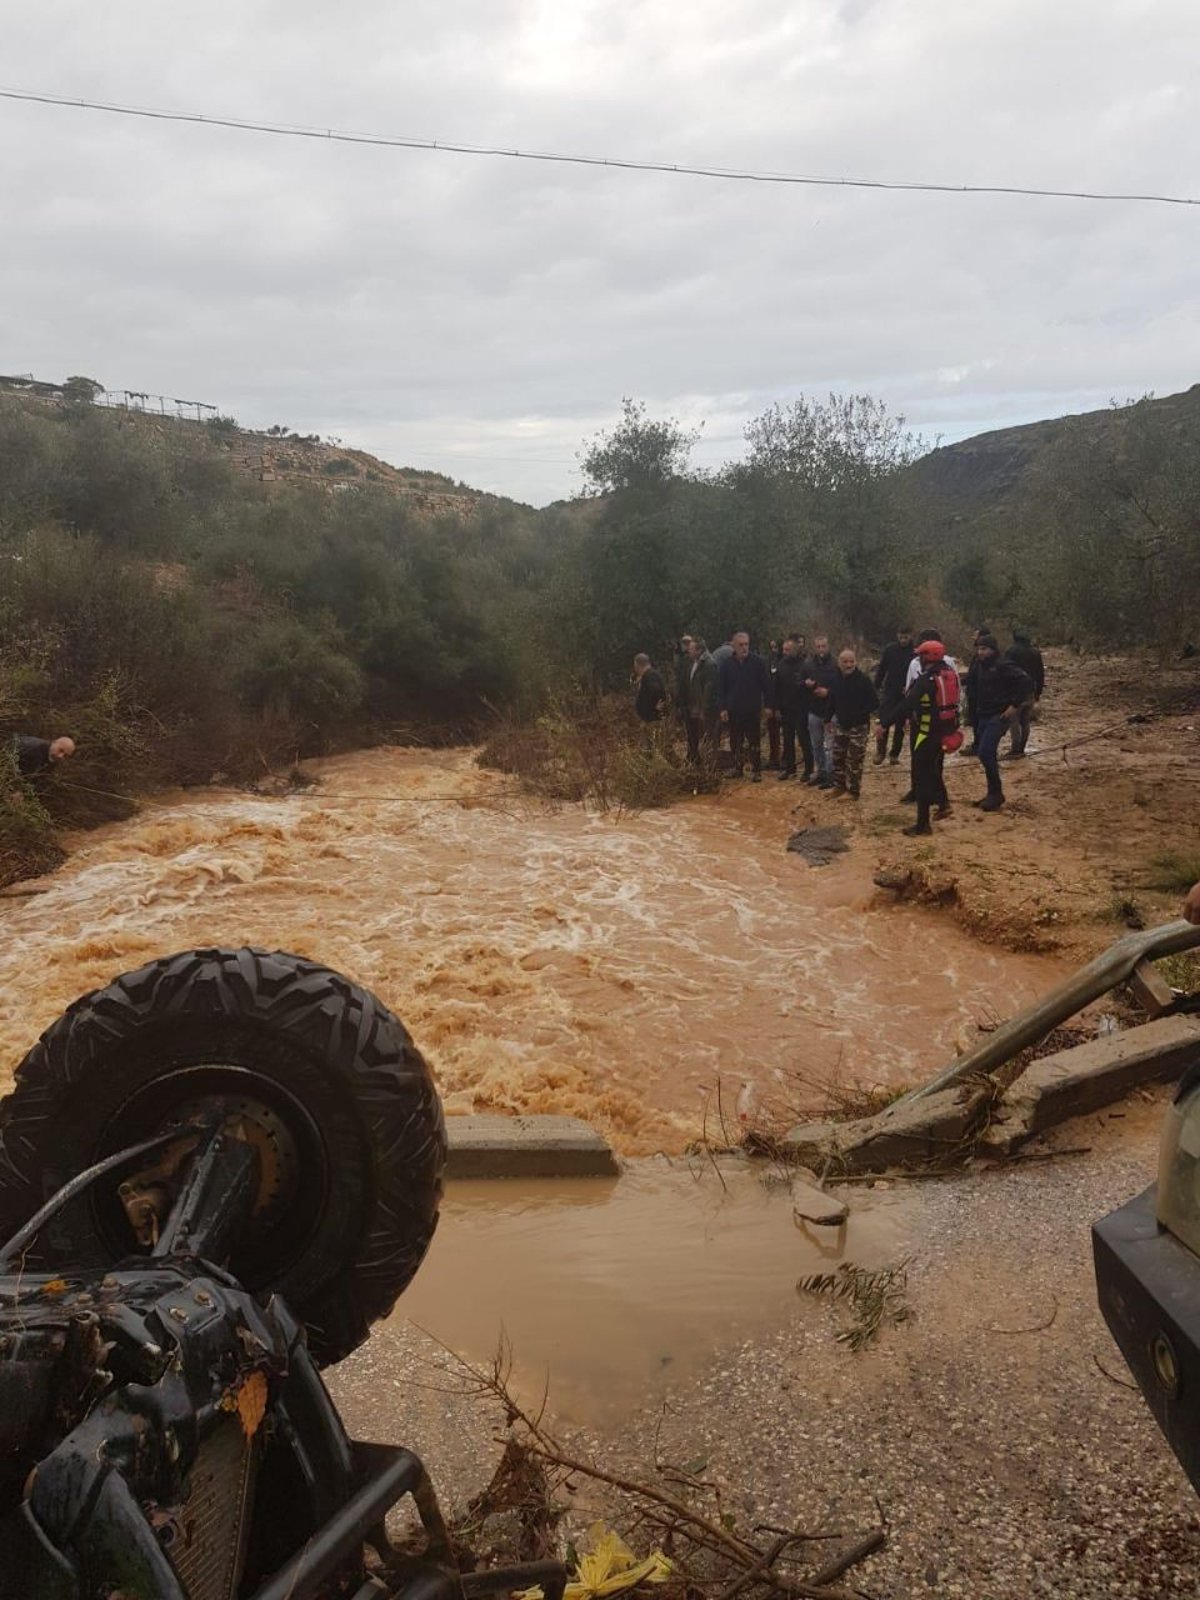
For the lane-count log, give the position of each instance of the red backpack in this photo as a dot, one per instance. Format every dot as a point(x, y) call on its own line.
point(948, 691)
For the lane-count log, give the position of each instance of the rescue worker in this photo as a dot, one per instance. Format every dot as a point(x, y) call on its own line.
point(921, 708)
point(929, 636)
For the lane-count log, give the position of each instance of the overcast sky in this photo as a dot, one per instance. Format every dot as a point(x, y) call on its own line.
point(482, 316)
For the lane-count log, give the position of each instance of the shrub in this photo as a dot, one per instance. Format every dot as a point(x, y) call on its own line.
point(1174, 871)
point(593, 750)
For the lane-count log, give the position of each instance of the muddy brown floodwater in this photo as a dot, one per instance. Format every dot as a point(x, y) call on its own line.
point(608, 1289)
point(603, 966)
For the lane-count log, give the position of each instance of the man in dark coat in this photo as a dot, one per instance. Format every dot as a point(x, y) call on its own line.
point(891, 677)
point(744, 692)
point(650, 701)
point(682, 663)
point(971, 690)
point(36, 755)
point(791, 701)
point(820, 676)
point(1001, 687)
point(700, 702)
point(854, 700)
point(1025, 655)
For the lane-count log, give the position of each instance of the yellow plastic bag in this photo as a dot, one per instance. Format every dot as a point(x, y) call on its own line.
point(609, 1568)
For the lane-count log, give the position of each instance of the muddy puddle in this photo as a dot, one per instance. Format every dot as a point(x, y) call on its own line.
point(610, 967)
point(609, 1290)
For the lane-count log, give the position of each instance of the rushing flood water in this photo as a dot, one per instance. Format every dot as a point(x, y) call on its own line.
point(609, 967)
point(607, 1289)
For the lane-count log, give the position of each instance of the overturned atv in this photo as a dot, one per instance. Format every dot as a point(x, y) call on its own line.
point(215, 1174)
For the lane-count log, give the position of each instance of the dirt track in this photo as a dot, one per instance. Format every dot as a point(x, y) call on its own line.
point(1080, 827)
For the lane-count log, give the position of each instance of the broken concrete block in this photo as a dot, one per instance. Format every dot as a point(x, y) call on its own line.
point(1073, 1082)
point(810, 1204)
point(915, 1131)
point(911, 1132)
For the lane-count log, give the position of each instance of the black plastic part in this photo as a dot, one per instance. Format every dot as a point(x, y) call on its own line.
point(1149, 1290)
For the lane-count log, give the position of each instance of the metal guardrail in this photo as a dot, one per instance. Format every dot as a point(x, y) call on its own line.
point(1116, 965)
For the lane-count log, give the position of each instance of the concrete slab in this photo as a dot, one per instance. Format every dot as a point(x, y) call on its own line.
point(1074, 1082)
point(526, 1147)
point(909, 1133)
point(810, 1204)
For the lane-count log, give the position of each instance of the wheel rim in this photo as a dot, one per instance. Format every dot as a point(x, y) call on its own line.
point(294, 1170)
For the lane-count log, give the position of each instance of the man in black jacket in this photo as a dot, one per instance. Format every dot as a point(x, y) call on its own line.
point(891, 678)
point(744, 691)
point(36, 755)
point(854, 700)
point(1026, 656)
point(820, 676)
point(791, 700)
point(651, 699)
point(971, 690)
point(1000, 687)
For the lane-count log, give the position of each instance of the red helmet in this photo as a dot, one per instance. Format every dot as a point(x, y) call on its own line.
point(932, 650)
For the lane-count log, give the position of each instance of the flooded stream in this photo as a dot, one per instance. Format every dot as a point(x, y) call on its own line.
point(608, 967)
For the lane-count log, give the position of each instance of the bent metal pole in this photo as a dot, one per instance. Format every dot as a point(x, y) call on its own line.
point(1115, 966)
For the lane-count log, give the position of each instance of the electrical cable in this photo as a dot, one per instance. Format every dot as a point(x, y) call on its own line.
point(675, 168)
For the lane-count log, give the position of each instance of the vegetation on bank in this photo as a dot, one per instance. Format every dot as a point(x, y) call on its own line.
point(185, 621)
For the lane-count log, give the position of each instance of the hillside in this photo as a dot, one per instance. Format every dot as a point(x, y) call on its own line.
point(270, 456)
point(977, 474)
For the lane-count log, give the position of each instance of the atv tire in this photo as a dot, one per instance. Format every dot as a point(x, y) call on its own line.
point(345, 1098)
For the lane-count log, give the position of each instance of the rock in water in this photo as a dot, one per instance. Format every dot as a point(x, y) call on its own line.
point(818, 846)
point(813, 1205)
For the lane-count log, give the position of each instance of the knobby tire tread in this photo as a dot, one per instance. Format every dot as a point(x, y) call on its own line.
point(364, 1050)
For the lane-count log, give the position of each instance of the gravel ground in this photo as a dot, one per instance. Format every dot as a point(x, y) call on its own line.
point(1005, 1463)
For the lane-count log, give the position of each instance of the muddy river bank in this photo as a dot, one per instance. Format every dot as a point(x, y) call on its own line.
point(613, 968)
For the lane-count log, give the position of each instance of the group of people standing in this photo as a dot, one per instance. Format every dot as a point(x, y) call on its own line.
point(819, 709)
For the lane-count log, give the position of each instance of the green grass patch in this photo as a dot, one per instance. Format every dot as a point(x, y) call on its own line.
point(1173, 871)
point(1181, 971)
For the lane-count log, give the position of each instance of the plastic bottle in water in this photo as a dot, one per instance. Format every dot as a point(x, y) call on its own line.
point(746, 1101)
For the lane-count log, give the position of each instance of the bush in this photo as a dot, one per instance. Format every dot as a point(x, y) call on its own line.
point(593, 750)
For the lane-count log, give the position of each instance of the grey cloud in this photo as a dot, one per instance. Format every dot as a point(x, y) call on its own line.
point(459, 311)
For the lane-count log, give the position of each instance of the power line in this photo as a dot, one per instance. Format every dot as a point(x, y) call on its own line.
point(458, 147)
